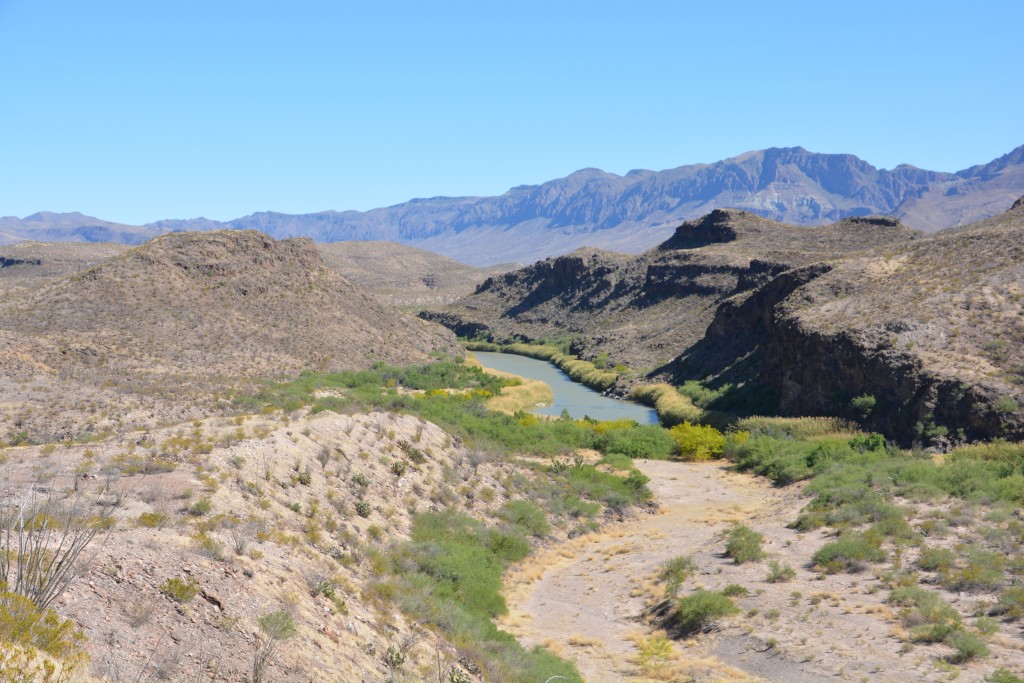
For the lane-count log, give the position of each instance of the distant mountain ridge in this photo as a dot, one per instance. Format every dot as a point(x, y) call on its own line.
point(625, 213)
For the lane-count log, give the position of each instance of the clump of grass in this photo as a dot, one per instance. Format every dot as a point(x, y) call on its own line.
point(779, 572)
point(672, 407)
point(743, 545)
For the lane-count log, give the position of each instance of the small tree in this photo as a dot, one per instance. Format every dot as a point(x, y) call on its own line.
point(274, 628)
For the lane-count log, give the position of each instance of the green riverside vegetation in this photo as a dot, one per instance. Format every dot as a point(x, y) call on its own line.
point(870, 494)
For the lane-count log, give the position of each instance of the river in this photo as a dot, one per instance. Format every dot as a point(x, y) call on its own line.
point(572, 396)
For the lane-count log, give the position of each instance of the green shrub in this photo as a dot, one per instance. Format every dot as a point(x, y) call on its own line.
point(527, 515)
point(698, 612)
point(1003, 675)
point(1010, 603)
point(743, 544)
point(363, 509)
point(734, 590)
point(152, 520)
point(697, 442)
point(180, 590)
point(848, 552)
point(981, 570)
point(863, 405)
point(674, 572)
point(966, 646)
point(201, 507)
point(929, 617)
point(779, 572)
point(26, 631)
point(641, 441)
point(936, 559)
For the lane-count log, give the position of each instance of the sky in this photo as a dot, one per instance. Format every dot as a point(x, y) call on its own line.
point(138, 111)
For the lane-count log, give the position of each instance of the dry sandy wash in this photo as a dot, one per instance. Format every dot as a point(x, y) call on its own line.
point(586, 600)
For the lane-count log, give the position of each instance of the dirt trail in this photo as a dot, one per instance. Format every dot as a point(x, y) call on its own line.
point(587, 599)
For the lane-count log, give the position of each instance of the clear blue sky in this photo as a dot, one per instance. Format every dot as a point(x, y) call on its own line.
point(134, 111)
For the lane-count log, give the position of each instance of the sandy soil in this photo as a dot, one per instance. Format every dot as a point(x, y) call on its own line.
point(586, 600)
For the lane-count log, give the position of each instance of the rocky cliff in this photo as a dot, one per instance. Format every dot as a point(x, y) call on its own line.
point(928, 330)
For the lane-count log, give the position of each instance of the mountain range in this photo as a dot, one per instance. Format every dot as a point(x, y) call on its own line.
point(627, 213)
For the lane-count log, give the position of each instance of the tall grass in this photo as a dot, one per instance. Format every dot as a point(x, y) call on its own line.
point(672, 407)
point(581, 371)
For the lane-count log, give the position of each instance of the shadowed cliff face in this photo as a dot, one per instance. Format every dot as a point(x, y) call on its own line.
point(803, 319)
point(643, 309)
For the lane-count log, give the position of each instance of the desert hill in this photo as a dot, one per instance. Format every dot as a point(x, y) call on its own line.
point(804, 320)
point(186, 311)
point(29, 264)
point(402, 275)
point(643, 309)
point(626, 213)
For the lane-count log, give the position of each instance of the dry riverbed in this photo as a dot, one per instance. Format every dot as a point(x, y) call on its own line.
point(585, 600)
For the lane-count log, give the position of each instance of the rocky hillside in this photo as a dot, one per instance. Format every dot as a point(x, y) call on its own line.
point(401, 275)
point(184, 312)
point(642, 310)
point(625, 213)
point(932, 330)
point(30, 264)
point(929, 328)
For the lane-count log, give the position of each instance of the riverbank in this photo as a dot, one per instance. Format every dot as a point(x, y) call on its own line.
point(571, 397)
point(584, 372)
point(526, 396)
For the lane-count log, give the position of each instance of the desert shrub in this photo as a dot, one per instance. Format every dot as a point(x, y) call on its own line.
point(698, 612)
point(929, 617)
point(697, 442)
point(274, 628)
point(363, 509)
point(180, 590)
point(783, 462)
point(36, 644)
point(848, 552)
point(527, 515)
point(1003, 675)
point(779, 572)
point(641, 441)
point(980, 569)
point(674, 572)
point(966, 646)
point(734, 590)
point(152, 520)
point(867, 442)
point(201, 507)
point(986, 626)
point(936, 559)
point(614, 492)
point(863, 405)
point(448, 576)
point(1010, 603)
point(743, 544)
